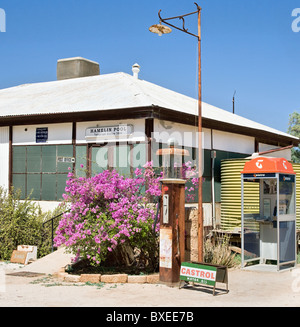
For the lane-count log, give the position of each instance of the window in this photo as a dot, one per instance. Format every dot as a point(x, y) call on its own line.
point(124, 158)
point(41, 171)
point(287, 204)
point(38, 173)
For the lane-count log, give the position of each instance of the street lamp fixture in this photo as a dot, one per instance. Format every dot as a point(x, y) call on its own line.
point(162, 29)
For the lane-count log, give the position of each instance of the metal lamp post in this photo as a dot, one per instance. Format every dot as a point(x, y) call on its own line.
point(162, 29)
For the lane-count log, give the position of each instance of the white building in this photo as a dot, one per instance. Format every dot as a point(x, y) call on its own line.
point(113, 120)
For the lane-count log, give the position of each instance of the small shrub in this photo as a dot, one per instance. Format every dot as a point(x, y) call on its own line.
point(219, 253)
point(21, 223)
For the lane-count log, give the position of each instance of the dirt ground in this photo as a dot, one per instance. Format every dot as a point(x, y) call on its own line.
point(246, 288)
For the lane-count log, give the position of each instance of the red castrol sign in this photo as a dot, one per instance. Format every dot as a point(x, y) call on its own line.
point(198, 273)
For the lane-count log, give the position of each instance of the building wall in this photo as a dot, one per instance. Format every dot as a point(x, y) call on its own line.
point(186, 135)
point(57, 134)
point(285, 153)
point(4, 152)
point(98, 152)
point(225, 141)
point(211, 139)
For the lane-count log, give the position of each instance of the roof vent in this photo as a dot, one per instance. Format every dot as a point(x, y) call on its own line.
point(136, 70)
point(76, 67)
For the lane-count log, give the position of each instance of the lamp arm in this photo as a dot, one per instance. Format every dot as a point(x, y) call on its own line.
point(183, 29)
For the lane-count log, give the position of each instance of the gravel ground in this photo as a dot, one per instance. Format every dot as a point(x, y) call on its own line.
point(246, 288)
point(8, 266)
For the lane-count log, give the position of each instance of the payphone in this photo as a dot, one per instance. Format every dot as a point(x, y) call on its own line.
point(172, 214)
point(269, 229)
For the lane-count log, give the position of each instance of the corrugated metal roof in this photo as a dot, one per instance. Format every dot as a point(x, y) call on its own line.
point(107, 92)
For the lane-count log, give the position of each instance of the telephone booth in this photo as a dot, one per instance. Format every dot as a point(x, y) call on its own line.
point(172, 214)
point(268, 223)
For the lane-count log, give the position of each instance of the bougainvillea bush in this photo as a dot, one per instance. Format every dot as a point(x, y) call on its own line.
point(111, 215)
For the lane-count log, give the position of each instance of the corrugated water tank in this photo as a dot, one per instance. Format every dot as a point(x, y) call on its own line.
point(297, 171)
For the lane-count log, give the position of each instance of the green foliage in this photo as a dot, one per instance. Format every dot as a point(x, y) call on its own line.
point(294, 129)
point(146, 244)
point(21, 223)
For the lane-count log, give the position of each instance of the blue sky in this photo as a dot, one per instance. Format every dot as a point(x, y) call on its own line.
point(247, 46)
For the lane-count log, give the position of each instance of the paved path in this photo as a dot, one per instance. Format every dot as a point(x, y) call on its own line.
point(51, 263)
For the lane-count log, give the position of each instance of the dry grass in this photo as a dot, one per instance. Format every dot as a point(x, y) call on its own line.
point(219, 253)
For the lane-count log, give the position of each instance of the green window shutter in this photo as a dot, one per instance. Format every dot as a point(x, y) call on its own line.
point(19, 159)
point(48, 187)
point(19, 183)
point(49, 159)
point(64, 151)
point(34, 159)
point(34, 186)
point(81, 151)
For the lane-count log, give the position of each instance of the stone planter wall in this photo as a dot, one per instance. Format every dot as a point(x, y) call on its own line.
point(115, 278)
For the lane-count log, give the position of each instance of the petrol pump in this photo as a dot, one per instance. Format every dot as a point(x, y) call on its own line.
point(172, 214)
